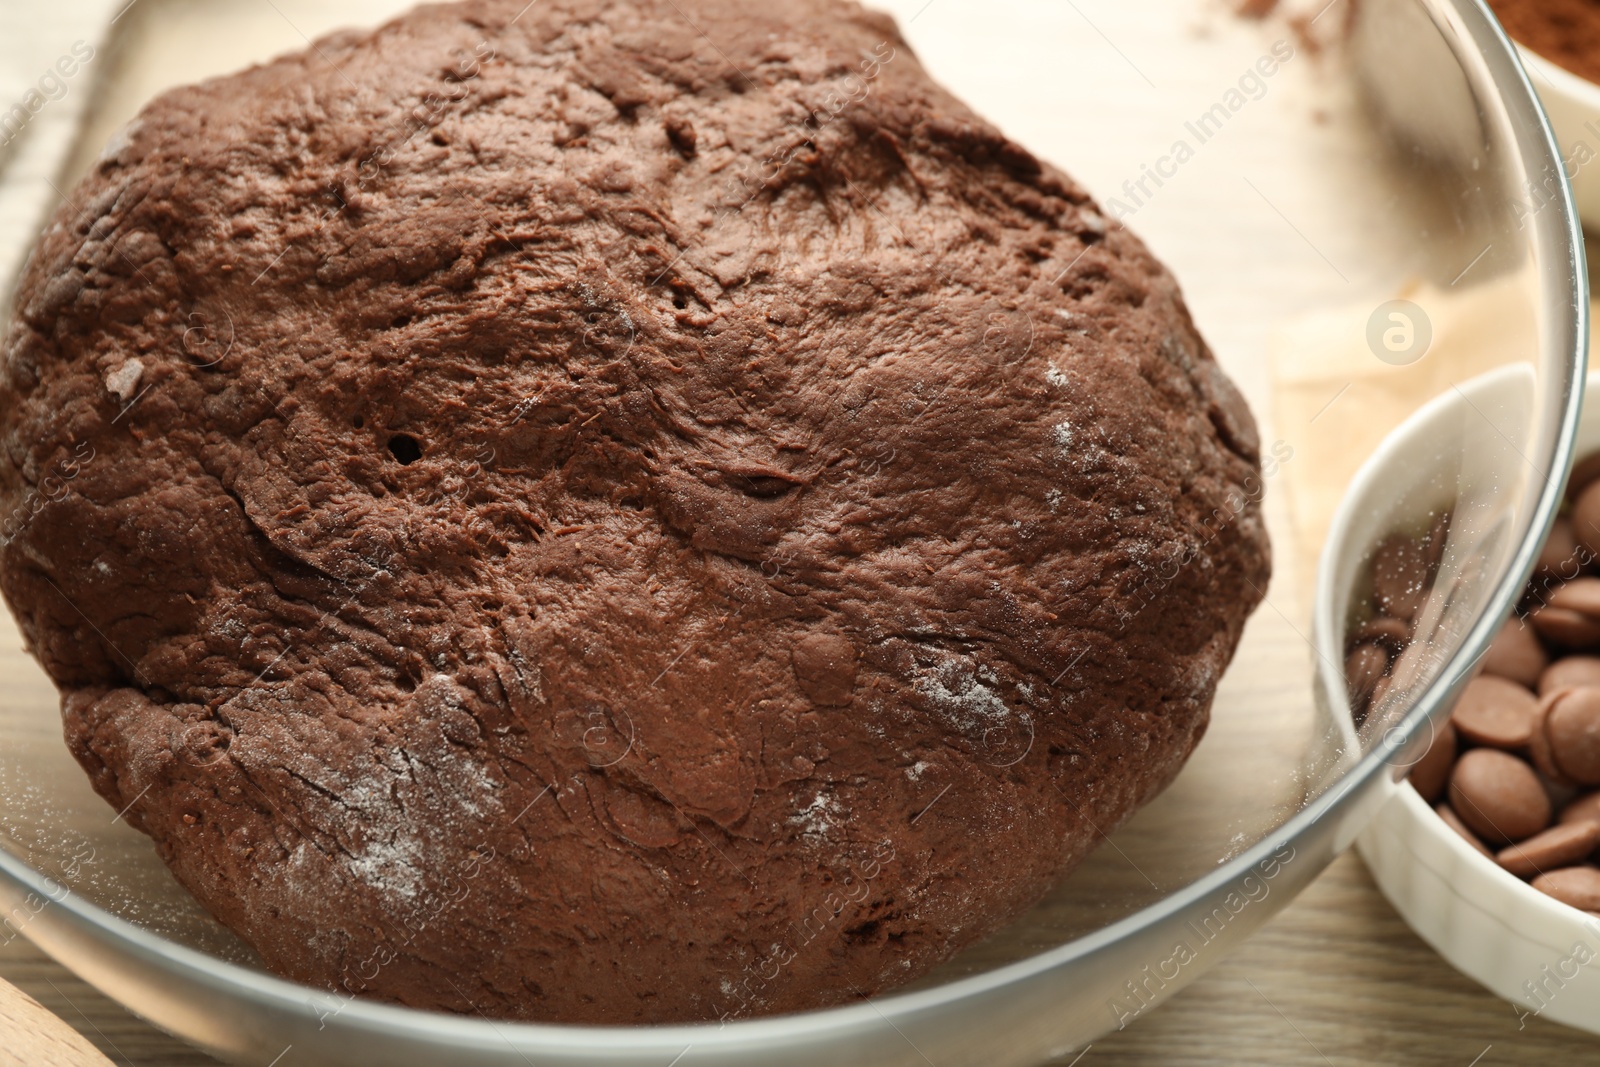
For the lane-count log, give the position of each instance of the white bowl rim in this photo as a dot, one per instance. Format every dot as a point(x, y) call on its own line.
point(1563, 80)
point(1406, 811)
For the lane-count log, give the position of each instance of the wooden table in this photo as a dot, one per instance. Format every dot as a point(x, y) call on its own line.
point(1336, 979)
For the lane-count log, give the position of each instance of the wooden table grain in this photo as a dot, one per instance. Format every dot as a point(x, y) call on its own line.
point(1335, 980)
point(36, 1038)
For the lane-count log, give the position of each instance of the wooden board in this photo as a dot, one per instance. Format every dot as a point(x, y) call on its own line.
point(30, 1036)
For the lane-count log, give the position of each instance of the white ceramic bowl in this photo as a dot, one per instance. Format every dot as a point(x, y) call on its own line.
point(1573, 104)
point(1537, 953)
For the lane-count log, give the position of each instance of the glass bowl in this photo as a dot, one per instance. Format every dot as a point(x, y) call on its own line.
point(1390, 154)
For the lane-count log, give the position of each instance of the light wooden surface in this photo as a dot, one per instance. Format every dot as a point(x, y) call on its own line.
point(32, 1037)
point(1336, 980)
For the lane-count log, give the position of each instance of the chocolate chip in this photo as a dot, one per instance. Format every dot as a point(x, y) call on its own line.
point(1515, 653)
point(1569, 728)
point(1496, 712)
point(1399, 576)
point(1559, 846)
point(1570, 671)
point(1498, 796)
point(1561, 557)
point(1393, 634)
point(1539, 741)
point(1432, 771)
point(1585, 809)
point(1581, 595)
point(1565, 627)
point(1577, 886)
point(1363, 668)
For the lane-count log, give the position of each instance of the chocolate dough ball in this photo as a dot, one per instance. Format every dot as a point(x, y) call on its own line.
point(573, 523)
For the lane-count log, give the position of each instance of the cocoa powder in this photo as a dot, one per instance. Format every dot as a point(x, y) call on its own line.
point(1566, 32)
